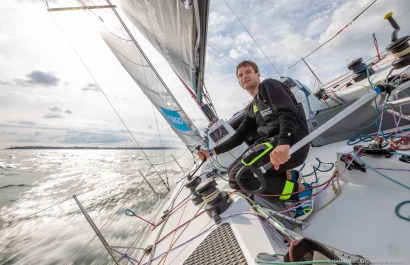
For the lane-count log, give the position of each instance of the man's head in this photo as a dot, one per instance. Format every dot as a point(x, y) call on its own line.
point(248, 76)
point(247, 63)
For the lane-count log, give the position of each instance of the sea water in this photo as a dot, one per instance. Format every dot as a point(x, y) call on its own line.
point(41, 223)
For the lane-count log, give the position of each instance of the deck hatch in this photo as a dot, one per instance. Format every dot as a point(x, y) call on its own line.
point(219, 247)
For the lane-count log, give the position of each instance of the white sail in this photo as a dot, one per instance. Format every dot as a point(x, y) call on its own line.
point(125, 47)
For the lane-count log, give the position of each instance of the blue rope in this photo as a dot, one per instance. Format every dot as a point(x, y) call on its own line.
point(368, 76)
point(368, 137)
point(316, 169)
point(381, 174)
point(360, 69)
point(398, 153)
point(397, 209)
point(215, 164)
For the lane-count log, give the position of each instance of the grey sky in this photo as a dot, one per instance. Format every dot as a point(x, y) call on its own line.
point(48, 96)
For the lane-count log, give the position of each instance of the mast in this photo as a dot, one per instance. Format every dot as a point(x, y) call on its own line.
point(317, 78)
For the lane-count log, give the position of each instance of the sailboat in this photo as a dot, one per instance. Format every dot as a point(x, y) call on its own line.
point(361, 190)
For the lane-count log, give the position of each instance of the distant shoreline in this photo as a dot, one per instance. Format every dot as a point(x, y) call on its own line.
point(92, 148)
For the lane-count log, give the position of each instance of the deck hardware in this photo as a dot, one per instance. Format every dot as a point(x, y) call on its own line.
point(351, 163)
point(360, 70)
point(405, 158)
point(196, 198)
point(216, 201)
point(400, 48)
point(148, 250)
point(373, 150)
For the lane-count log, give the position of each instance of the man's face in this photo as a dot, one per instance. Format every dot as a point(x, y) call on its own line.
point(247, 77)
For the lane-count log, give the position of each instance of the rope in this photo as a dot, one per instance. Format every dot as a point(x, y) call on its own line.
point(397, 209)
point(173, 243)
point(125, 256)
point(198, 235)
point(212, 196)
point(381, 174)
point(128, 212)
point(315, 169)
point(376, 45)
point(402, 53)
point(292, 245)
point(258, 260)
point(172, 240)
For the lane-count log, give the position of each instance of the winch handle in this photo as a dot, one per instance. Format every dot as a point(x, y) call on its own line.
point(259, 172)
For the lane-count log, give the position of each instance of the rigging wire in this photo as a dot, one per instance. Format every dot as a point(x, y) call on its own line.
point(107, 224)
point(220, 52)
point(396, 18)
point(156, 122)
point(323, 44)
point(98, 85)
point(108, 100)
point(257, 44)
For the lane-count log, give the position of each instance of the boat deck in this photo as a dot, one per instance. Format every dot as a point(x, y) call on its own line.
point(356, 216)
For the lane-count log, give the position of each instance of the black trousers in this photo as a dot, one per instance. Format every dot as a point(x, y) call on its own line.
point(276, 181)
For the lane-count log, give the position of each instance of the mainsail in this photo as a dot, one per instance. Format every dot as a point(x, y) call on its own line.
point(125, 47)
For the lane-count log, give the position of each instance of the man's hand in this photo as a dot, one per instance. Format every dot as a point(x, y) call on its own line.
point(202, 154)
point(279, 155)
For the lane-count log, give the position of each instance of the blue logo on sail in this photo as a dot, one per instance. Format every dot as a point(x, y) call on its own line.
point(175, 119)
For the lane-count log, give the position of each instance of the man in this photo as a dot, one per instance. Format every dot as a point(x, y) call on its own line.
point(280, 123)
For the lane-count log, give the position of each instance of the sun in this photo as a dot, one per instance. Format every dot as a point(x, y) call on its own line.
point(78, 23)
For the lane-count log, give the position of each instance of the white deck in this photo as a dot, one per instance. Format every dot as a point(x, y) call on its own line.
point(361, 220)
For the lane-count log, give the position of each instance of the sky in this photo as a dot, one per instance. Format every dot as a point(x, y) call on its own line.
point(60, 85)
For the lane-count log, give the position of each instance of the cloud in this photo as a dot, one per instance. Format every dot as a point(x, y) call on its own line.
point(42, 78)
point(53, 116)
point(24, 122)
point(5, 83)
point(91, 87)
point(21, 122)
point(55, 109)
point(55, 112)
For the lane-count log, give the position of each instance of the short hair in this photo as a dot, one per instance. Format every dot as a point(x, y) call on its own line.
point(246, 63)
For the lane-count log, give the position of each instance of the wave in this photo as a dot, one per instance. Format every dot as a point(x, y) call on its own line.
point(14, 186)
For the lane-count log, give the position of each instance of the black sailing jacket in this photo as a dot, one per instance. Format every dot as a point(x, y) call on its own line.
point(275, 113)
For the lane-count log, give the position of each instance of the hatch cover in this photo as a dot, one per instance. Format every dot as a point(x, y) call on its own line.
point(219, 247)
